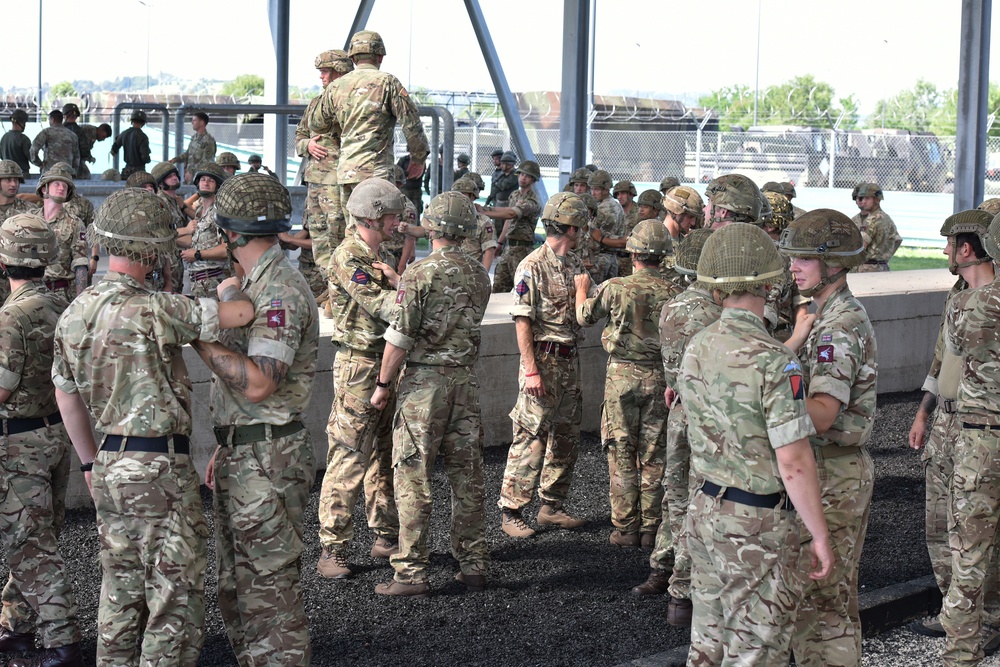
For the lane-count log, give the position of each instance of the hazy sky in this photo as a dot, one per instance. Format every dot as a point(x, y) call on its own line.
point(870, 48)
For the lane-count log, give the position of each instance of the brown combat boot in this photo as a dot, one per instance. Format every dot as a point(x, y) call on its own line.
point(474, 583)
point(679, 612)
point(656, 584)
point(648, 540)
point(15, 642)
point(333, 564)
point(557, 516)
point(64, 656)
point(513, 524)
point(620, 539)
point(404, 590)
point(383, 548)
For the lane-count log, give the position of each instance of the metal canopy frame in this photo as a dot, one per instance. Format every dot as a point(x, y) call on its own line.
point(972, 125)
point(117, 118)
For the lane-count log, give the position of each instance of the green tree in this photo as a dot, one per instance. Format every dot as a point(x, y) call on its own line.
point(917, 109)
point(799, 101)
point(63, 89)
point(244, 85)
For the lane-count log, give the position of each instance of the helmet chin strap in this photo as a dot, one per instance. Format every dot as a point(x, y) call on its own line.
point(827, 279)
point(954, 266)
point(240, 242)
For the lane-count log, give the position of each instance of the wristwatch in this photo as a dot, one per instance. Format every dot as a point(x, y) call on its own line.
point(197, 255)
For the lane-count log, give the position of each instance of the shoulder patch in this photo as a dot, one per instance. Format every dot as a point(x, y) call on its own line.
point(399, 296)
point(792, 366)
point(522, 288)
point(824, 354)
point(798, 387)
point(826, 338)
point(275, 303)
point(276, 318)
point(360, 277)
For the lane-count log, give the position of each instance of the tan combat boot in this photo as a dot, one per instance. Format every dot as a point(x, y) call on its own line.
point(404, 590)
point(648, 540)
point(620, 539)
point(557, 516)
point(333, 564)
point(383, 548)
point(474, 583)
point(513, 524)
point(656, 583)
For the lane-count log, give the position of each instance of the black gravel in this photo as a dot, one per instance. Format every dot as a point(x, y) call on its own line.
point(561, 598)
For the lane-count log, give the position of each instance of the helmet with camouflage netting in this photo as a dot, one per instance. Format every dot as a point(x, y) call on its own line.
point(566, 208)
point(212, 170)
point(867, 190)
point(991, 242)
point(162, 170)
point(366, 42)
point(827, 235)
point(529, 168)
point(649, 237)
point(740, 258)
point(141, 179)
point(991, 206)
point(111, 175)
point(10, 169)
point(684, 200)
point(373, 198)
point(135, 224)
point(651, 198)
point(254, 204)
point(465, 186)
point(581, 175)
point(766, 212)
point(335, 59)
point(736, 193)
point(477, 179)
point(625, 185)
point(56, 174)
point(781, 210)
point(27, 240)
point(668, 183)
point(227, 159)
point(600, 179)
point(451, 213)
point(689, 251)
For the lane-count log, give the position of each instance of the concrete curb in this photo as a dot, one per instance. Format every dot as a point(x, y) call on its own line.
point(881, 610)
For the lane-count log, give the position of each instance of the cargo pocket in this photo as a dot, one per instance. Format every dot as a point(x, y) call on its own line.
point(356, 423)
point(262, 531)
point(404, 441)
point(140, 488)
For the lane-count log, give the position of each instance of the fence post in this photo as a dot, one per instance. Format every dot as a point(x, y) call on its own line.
point(833, 156)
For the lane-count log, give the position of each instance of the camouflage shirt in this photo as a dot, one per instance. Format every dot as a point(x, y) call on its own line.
point(839, 359)
point(545, 293)
point(207, 236)
point(59, 145)
point(484, 239)
point(691, 311)
point(318, 171)
point(361, 298)
point(632, 305)
point(286, 329)
point(27, 324)
point(73, 251)
point(81, 208)
point(364, 105)
point(931, 382)
point(631, 218)
point(880, 235)
point(17, 206)
point(17, 147)
point(610, 221)
point(973, 336)
point(442, 300)
point(201, 151)
point(177, 217)
point(744, 396)
point(119, 346)
point(528, 208)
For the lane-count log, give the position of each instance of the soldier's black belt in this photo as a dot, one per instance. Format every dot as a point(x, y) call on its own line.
point(135, 443)
point(949, 405)
point(558, 349)
point(638, 362)
point(980, 427)
point(242, 435)
point(739, 496)
point(206, 274)
point(17, 425)
point(520, 244)
point(623, 253)
point(877, 261)
point(57, 284)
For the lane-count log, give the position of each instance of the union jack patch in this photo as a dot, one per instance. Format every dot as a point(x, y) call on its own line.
point(826, 338)
point(275, 303)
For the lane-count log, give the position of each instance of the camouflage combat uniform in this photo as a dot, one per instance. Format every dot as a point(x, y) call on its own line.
point(624, 259)
point(360, 436)
point(602, 261)
point(201, 150)
point(80, 207)
point(484, 239)
point(881, 239)
point(323, 212)
point(60, 276)
point(262, 485)
point(634, 415)
point(6, 211)
point(87, 136)
point(177, 220)
point(690, 312)
point(839, 359)
point(206, 274)
point(309, 269)
point(35, 470)
point(972, 335)
point(546, 428)
point(742, 394)
point(520, 238)
point(149, 510)
point(59, 145)
point(442, 302)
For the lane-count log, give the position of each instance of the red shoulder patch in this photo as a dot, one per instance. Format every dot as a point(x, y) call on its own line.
point(824, 354)
point(276, 318)
point(798, 387)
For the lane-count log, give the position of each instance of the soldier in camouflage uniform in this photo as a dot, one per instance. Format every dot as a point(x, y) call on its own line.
point(204, 250)
point(690, 312)
point(79, 207)
point(967, 259)
point(625, 193)
point(118, 362)
point(136, 145)
point(743, 395)
point(86, 135)
point(877, 228)
point(36, 452)
point(161, 277)
point(685, 211)
point(168, 180)
point(363, 106)
point(436, 331)
point(839, 365)
point(549, 404)
point(58, 144)
point(323, 213)
point(264, 465)
point(505, 183)
point(601, 258)
point(520, 217)
point(11, 178)
point(481, 246)
point(362, 297)
point(13, 144)
point(229, 162)
point(302, 240)
point(634, 415)
point(732, 198)
point(201, 149)
point(68, 274)
point(577, 183)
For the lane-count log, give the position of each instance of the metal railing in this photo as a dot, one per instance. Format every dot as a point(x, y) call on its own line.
point(116, 125)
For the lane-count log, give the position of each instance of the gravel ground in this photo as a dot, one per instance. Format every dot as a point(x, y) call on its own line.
point(558, 599)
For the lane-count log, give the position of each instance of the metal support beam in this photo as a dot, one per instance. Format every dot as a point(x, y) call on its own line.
point(441, 118)
point(278, 17)
point(973, 96)
point(574, 100)
point(507, 102)
point(360, 20)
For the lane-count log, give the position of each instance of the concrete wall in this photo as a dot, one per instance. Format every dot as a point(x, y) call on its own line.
point(905, 308)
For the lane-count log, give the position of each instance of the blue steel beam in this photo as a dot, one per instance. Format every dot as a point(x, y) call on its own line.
point(278, 15)
point(360, 20)
point(574, 100)
point(973, 95)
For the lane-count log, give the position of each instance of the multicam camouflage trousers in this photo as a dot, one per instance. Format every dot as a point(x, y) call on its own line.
point(745, 582)
point(310, 271)
point(503, 275)
point(207, 288)
point(38, 595)
point(546, 435)
point(261, 493)
point(153, 538)
point(633, 431)
point(360, 450)
point(975, 511)
point(438, 413)
point(828, 630)
point(938, 467)
point(325, 217)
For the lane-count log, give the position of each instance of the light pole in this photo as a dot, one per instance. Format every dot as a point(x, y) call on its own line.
point(148, 5)
point(39, 119)
point(756, 81)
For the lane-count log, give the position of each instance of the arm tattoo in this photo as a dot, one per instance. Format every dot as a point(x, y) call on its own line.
point(929, 402)
point(272, 369)
point(232, 293)
point(81, 279)
point(231, 369)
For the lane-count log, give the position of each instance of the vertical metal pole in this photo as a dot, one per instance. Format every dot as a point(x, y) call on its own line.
point(360, 19)
point(973, 96)
point(574, 102)
point(39, 112)
point(587, 152)
point(833, 155)
point(279, 15)
point(756, 79)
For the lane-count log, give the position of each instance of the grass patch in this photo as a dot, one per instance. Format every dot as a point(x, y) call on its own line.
point(911, 259)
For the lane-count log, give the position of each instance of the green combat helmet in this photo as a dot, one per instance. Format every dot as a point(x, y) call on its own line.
point(625, 186)
point(991, 242)
point(477, 179)
point(56, 175)
point(668, 183)
point(651, 198)
point(590, 201)
point(689, 252)
point(529, 168)
point(9, 169)
point(772, 186)
point(254, 205)
point(335, 59)
point(581, 175)
point(213, 171)
point(366, 42)
point(600, 179)
point(649, 237)
point(134, 224)
point(736, 193)
point(463, 158)
point(827, 235)
point(373, 198)
point(508, 157)
point(781, 211)
point(141, 179)
point(465, 186)
point(867, 190)
point(566, 208)
point(27, 240)
point(975, 221)
point(740, 258)
point(228, 159)
point(451, 213)
point(111, 175)
point(991, 206)
point(162, 170)
point(684, 200)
